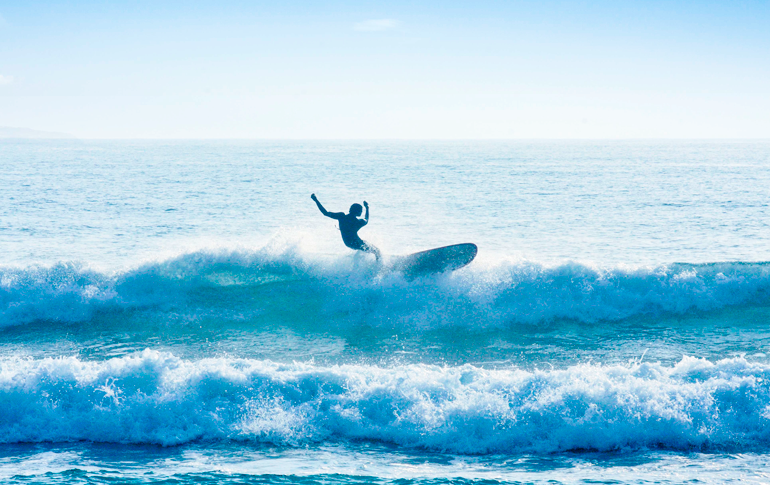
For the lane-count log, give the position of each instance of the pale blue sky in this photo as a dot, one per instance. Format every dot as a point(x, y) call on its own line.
point(387, 69)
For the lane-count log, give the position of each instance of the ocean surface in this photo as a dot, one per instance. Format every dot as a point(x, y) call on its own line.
point(180, 312)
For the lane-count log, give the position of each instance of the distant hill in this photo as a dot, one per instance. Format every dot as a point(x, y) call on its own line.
point(8, 132)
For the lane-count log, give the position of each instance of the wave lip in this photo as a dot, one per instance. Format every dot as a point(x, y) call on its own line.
point(349, 291)
point(157, 398)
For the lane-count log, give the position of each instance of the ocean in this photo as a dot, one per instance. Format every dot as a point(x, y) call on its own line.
point(180, 312)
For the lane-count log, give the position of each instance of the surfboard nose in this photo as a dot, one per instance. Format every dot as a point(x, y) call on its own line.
point(438, 260)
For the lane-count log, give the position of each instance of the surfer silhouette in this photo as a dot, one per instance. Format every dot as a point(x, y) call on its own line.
point(349, 226)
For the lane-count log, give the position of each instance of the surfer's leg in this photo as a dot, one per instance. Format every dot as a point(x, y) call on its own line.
point(371, 249)
point(361, 245)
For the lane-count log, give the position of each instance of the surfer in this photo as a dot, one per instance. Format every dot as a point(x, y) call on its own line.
point(349, 226)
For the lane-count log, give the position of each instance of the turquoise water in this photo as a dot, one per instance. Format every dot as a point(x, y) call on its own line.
point(180, 312)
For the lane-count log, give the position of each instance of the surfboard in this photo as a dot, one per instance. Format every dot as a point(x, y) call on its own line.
point(439, 260)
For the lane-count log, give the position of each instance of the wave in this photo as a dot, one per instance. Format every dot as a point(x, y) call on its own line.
point(291, 286)
point(157, 398)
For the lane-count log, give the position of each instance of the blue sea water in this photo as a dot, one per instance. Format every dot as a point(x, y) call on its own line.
point(180, 312)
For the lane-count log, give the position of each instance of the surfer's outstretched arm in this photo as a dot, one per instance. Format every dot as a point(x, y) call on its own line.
point(366, 216)
point(333, 215)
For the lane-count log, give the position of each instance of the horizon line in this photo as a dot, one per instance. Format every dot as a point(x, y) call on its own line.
point(76, 138)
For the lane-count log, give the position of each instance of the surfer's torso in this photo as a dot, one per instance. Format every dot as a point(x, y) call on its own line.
point(349, 226)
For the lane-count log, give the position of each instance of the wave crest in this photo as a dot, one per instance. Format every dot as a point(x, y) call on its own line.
point(292, 286)
point(157, 398)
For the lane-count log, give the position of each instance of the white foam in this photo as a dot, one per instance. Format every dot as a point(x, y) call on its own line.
point(353, 288)
point(155, 397)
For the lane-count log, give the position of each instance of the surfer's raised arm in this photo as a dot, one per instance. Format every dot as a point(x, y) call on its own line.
point(366, 215)
point(333, 215)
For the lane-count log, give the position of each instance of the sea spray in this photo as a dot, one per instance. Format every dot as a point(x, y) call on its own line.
point(355, 291)
point(157, 398)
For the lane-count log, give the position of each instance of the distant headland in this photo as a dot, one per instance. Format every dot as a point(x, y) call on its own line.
point(7, 132)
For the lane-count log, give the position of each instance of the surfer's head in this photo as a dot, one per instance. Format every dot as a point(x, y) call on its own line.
point(356, 209)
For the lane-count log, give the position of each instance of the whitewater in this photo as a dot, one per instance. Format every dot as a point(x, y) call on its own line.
point(180, 312)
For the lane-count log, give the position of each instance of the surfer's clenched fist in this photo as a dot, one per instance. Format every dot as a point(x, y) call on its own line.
point(312, 196)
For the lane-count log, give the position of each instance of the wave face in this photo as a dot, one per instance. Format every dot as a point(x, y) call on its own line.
point(289, 285)
point(157, 398)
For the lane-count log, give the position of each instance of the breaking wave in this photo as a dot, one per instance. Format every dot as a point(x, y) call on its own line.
point(290, 286)
point(158, 398)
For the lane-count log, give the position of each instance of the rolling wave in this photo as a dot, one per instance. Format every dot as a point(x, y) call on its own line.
point(157, 398)
point(291, 286)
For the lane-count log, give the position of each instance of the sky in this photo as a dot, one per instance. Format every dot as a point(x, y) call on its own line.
point(387, 70)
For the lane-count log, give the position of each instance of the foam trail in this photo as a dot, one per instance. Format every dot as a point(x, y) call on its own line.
point(155, 397)
point(351, 290)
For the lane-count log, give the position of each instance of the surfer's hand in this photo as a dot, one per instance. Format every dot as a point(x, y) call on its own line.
point(312, 196)
point(366, 204)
